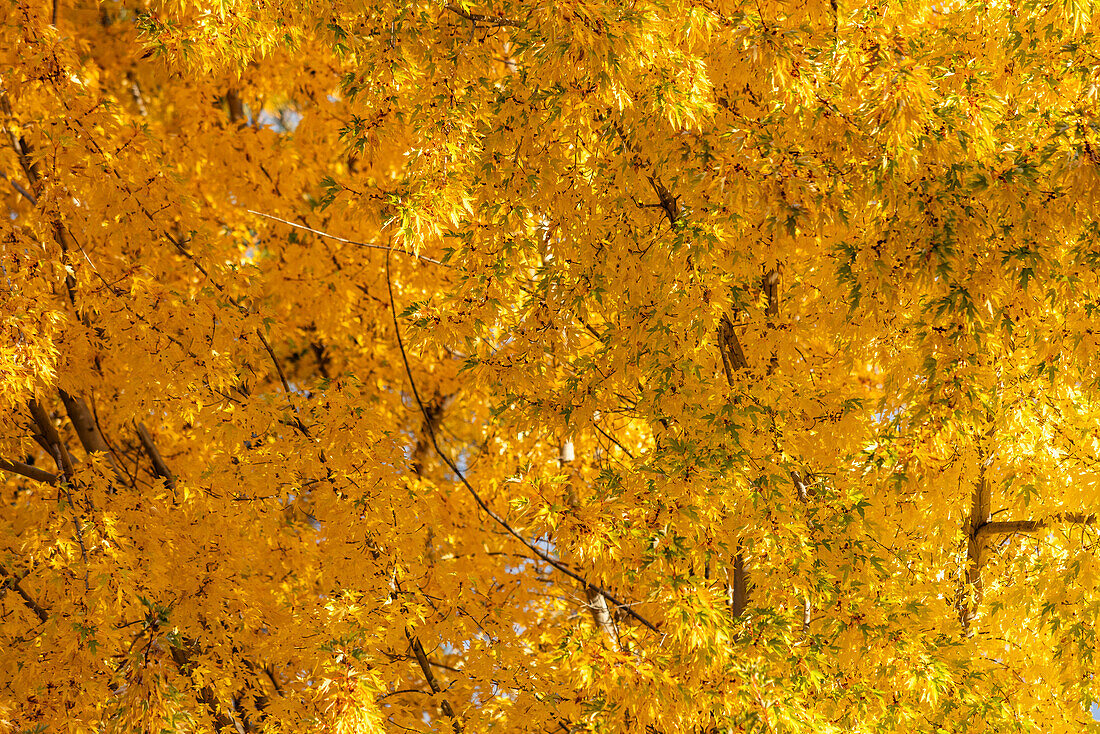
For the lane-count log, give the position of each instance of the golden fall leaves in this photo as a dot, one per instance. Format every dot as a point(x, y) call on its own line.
point(548, 366)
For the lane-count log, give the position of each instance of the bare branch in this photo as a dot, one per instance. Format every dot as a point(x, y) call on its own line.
point(370, 245)
point(159, 466)
point(88, 432)
point(50, 438)
point(1006, 527)
point(20, 189)
point(28, 471)
point(278, 367)
point(733, 357)
point(11, 582)
point(426, 668)
point(84, 423)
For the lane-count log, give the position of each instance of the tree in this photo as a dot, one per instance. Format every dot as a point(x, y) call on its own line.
point(660, 366)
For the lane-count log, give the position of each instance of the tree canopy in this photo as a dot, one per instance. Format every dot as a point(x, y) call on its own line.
point(576, 365)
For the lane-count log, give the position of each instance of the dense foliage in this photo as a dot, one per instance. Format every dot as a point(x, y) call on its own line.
point(567, 365)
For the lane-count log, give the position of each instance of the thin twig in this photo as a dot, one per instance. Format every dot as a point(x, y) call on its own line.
point(496, 21)
point(278, 367)
point(615, 441)
point(20, 188)
point(370, 245)
point(555, 563)
point(402, 691)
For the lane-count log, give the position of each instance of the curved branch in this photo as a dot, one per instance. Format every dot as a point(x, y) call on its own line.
point(542, 555)
point(368, 245)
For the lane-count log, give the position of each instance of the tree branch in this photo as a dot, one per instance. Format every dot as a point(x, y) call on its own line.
point(88, 432)
point(970, 596)
point(733, 357)
point(669, 203)
point(159, 467)
point(90, 437)
point(11, 582)
point(597, 604)
point(1006, 527)
point(738, 592)
point(545, 557)
point(50, 438)
point(495, 21)
point(28, 471)
point(221, 720)
point(275, 360)
point(426, 668)
point(601, 616)
point(24, 152)
point(369, 245)
point(733, 360)
point(19, 188)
